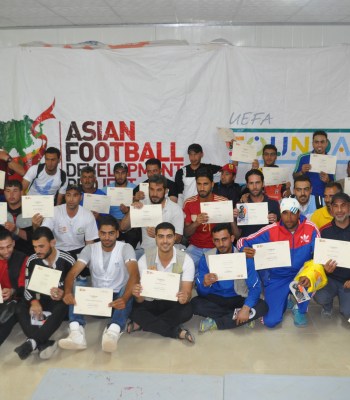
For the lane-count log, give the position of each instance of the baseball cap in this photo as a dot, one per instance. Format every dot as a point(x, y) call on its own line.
point(230, 168)
point(290, 204)
point(74, 186)
point(120, 165)
point(341, 196)
point(195, 147)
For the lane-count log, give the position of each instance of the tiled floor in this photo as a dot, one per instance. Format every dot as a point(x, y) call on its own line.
point(322, 348)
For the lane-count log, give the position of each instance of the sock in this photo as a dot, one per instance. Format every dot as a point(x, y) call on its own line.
point(33, 343)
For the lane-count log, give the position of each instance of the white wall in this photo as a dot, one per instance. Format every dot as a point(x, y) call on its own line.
point(257, 36)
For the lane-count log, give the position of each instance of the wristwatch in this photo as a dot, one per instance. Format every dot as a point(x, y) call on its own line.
point(9, 159)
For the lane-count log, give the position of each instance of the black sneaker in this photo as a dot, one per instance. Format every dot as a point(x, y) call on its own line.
point(47, 349)
point(24, 350)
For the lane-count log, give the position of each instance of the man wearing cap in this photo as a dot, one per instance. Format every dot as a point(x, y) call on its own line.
point(185, 177)
point(227, 186)
point(338, 278)
point(301, 234)
point(72, 225)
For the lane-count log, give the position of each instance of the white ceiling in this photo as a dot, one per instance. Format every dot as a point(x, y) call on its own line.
point(61, 13)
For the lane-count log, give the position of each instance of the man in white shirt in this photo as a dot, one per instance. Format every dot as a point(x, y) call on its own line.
point(164, 317)
point(112, 265)
point(48, 178)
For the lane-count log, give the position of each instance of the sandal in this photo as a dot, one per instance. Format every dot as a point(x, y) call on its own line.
point(130, 327)
point(188, 337)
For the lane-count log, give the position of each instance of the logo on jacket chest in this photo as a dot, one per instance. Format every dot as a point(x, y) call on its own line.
point(305, 238)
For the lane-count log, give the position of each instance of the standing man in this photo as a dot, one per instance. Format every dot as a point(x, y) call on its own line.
point(34, 305)
point(47, 178)
point(12, 276)
point(217, 300)
point(302, 191)
point(112, 265)
point(338, 278)
point(154, 167)
point(227, 186)
point(185, 177)
point(301, 235)
point(303, 166)
point(89, 182)
point(165, 317)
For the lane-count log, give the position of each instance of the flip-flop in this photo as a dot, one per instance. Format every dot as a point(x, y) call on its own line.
point(130, 327)
point(188, 338)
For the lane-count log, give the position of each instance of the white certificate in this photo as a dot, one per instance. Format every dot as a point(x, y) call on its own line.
point(120, 195)
point(330, 249)
point(252, 213)
point(160, 285)
point(149, 215)
point(226, 134)
point(1, 298)
point(43, 279)
point(96, 202)
point(3, 213)
point(275, 176)
point(347, 186)
point(228, 266)
point(272, 255)
point(144, 187)
point(323, 163)
point(243, 152)
point(93, 301)
point(218, 211)
point(2, 179)
point(43, 205)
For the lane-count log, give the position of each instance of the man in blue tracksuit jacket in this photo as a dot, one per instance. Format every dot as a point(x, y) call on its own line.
point(301, 234)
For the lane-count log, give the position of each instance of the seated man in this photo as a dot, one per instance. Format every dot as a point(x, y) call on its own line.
point(323, 216)
point(163, 316)
point(12, 275)
point(338, 278)
point(32, 308)
point(112, 265)
point(217, 300)
point(301, 235)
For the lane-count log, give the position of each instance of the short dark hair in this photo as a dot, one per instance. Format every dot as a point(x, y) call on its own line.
point(302, 178)
point(154, 161)
point(43, 231)
point(159, 180)
point(319, 133)
point(204, 172)
point(5, 234)
point(53, 150)
point(254, 172)
point(13, 183)
point(337, 185)
point(88, 170)
point(108, 220)
point(165, 225)
point(269, 147)
point(222, 227)
point(195, 147)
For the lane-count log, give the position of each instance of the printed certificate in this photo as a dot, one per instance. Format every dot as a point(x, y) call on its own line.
point(330, 249)
point(347, 186)
point(323, 163)
point(243, 152)
point(43, 205)
point(149, 215)
point(275, 176)
point(272, 255)
point(93, 301)
point(43, 279)
point(252, 213)
point(228, 266)
point(120, 195)
point(3, 213)
point(97, 203)
point(160, 285)
point(218, 211)
point(226, 134)
point(2, 179)
point(144, 187)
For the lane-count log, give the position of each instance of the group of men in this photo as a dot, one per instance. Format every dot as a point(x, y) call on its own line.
point(104, 251)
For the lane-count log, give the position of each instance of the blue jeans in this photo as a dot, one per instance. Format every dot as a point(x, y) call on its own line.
point(196, 253)
point(119, 317)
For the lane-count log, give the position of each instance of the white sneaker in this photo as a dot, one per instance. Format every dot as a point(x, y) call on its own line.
point(110, 339)
point(47, 350)
point(76, 338)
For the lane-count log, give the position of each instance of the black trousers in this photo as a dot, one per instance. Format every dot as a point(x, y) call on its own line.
point(41, 334)
point(221, 309)
point(6, 328)
point(161, 316)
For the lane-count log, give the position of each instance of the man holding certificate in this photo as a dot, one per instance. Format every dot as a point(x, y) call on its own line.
point(226, 303)
point(301, 234)
point(338, 278)
point(42, 311)
point(163, 302)
point(113, 266)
